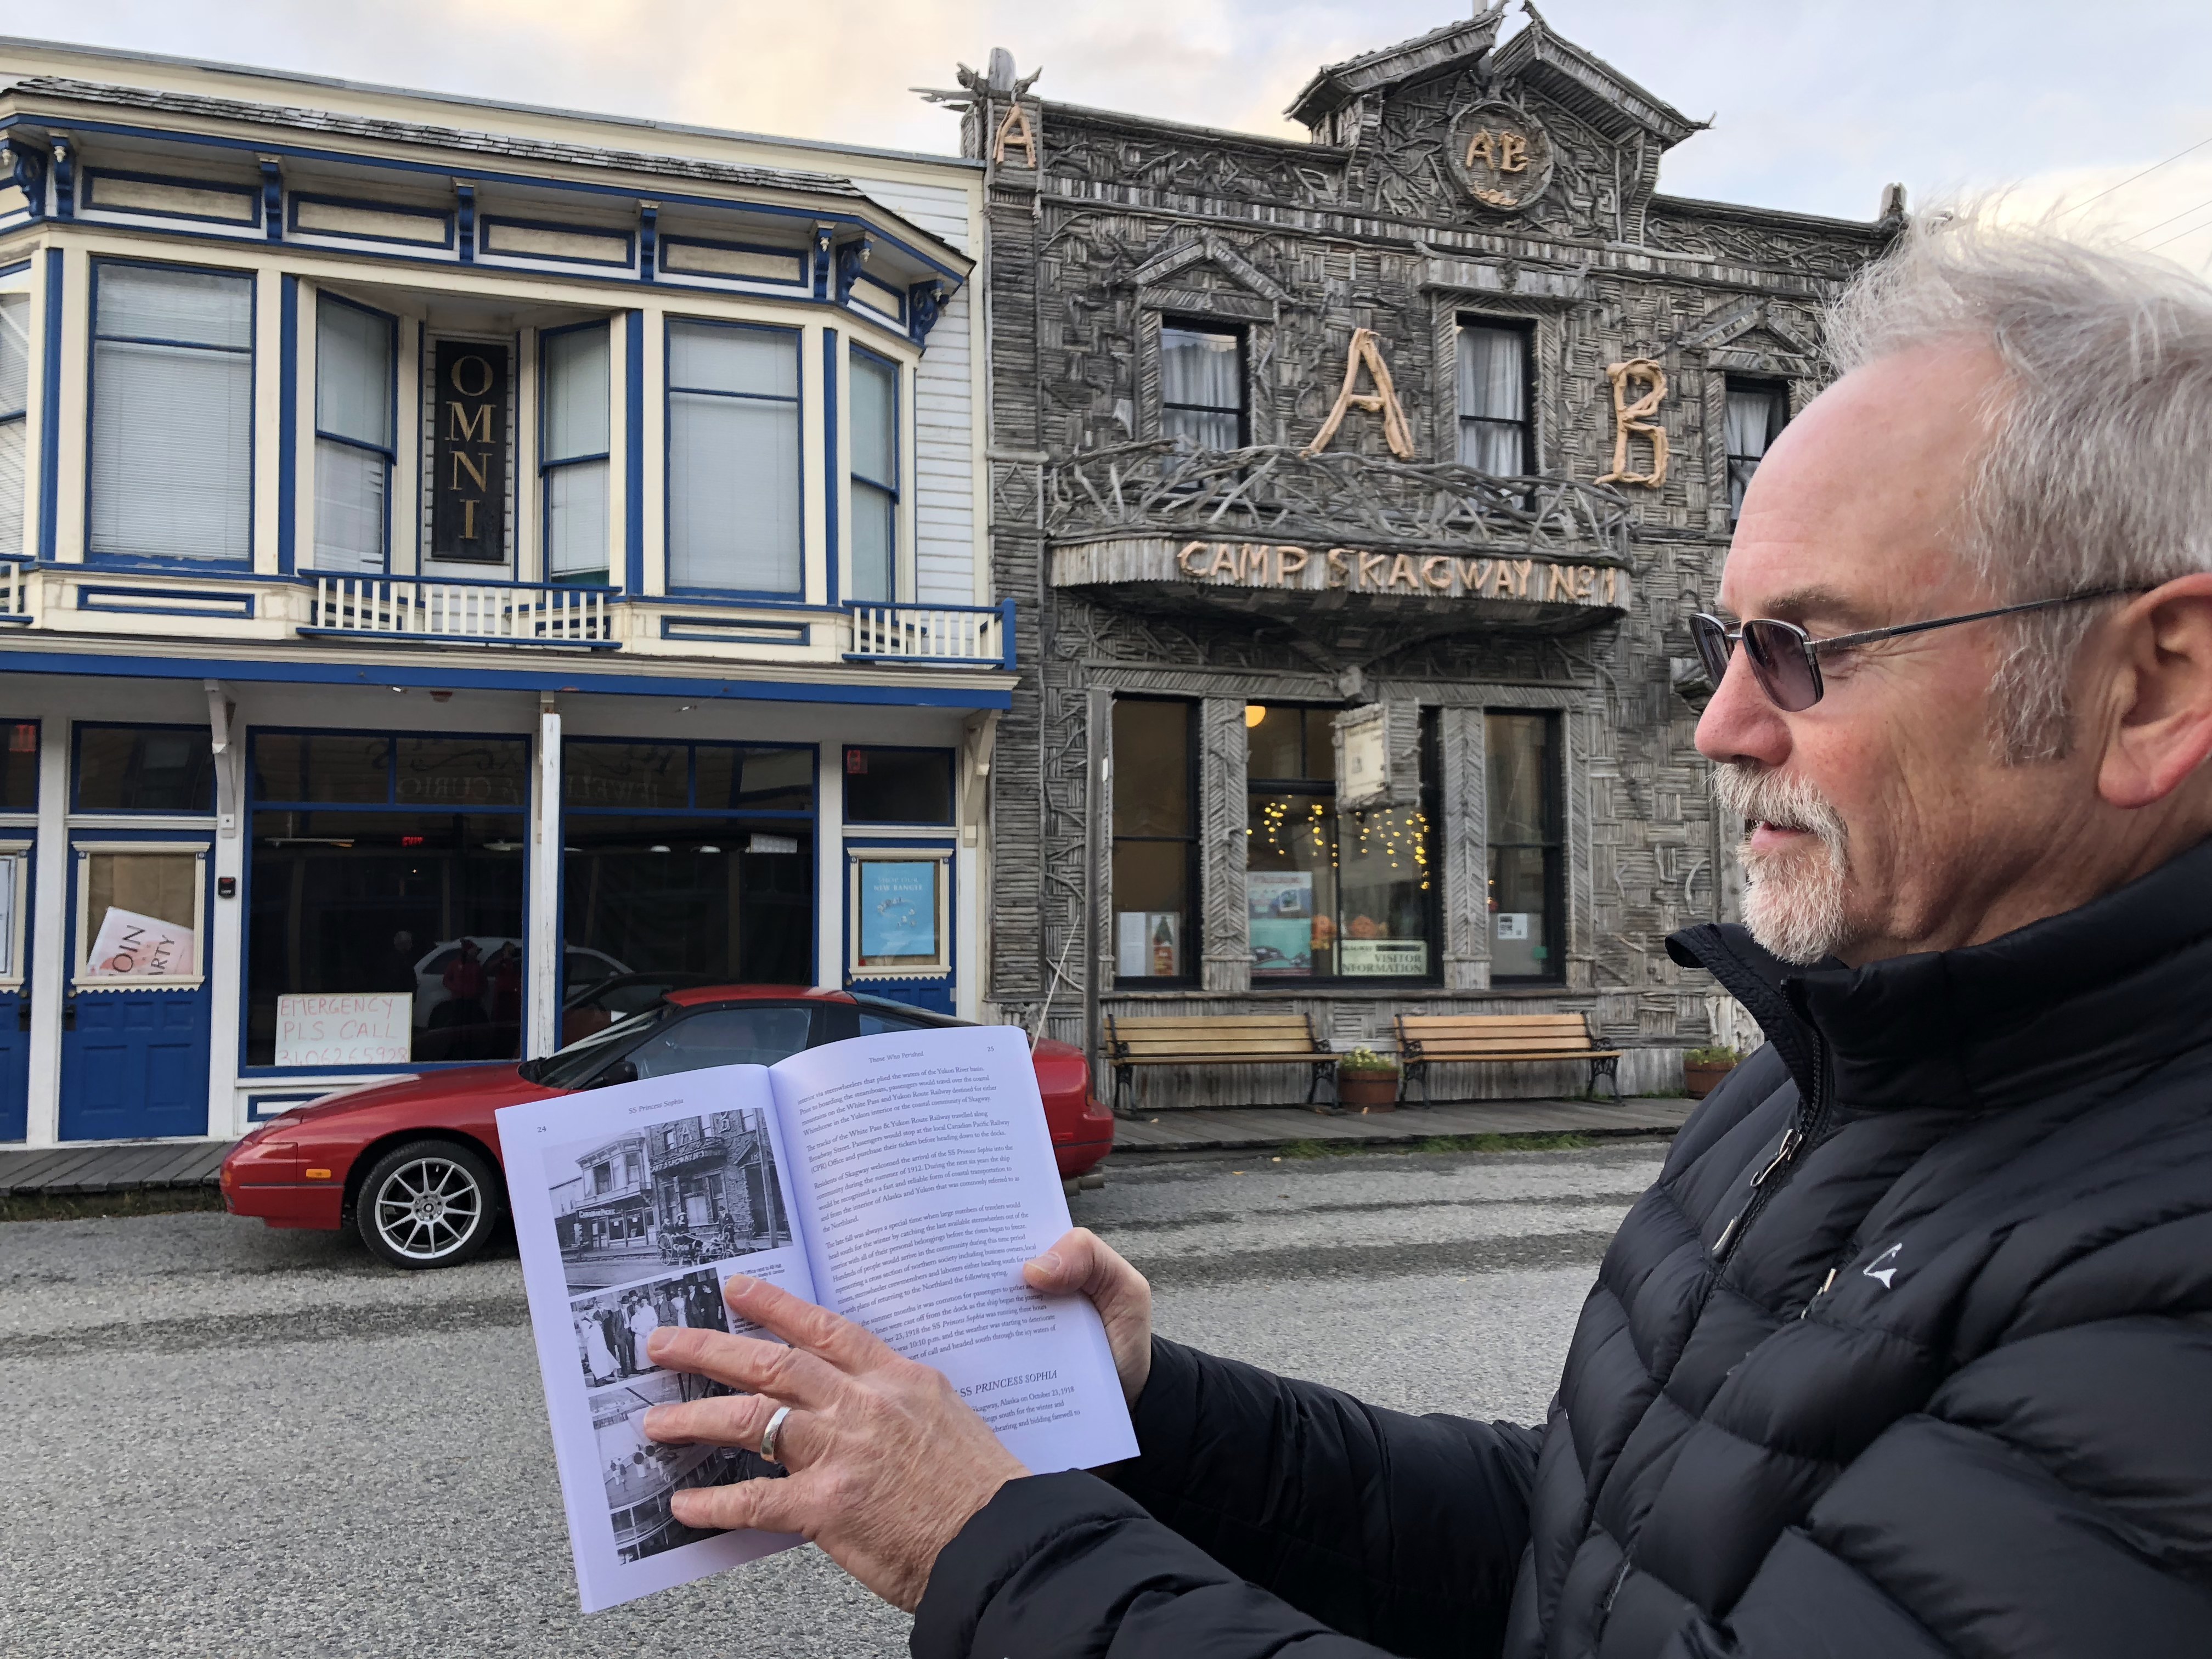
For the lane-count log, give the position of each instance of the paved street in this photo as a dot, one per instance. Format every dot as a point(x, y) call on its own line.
point(230, 1441)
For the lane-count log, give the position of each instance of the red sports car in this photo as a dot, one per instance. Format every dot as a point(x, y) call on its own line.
point(413, 1164)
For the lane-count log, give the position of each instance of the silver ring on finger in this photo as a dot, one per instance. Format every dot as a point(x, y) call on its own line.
point(768, 1447)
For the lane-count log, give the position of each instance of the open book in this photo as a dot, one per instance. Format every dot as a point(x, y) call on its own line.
point(900, 1180)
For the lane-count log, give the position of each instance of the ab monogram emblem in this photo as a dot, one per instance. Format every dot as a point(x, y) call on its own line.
point(1501, 154)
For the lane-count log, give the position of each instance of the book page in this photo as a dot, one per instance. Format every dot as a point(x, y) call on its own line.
point(925, 1178)
point(633, 1205)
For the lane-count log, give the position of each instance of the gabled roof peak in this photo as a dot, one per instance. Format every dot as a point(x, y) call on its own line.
point(1337, 84)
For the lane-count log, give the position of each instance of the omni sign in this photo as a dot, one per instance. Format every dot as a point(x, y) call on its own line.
point(1424, 575)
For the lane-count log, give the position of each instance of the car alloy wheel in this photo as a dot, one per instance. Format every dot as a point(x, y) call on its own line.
point(426, 1205)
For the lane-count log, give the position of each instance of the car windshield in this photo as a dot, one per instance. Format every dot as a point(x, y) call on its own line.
point(568, 1067)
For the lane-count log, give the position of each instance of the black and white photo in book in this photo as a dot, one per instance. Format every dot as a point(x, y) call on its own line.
point(611, 1326)
point(691, 1190)
point(641, 1475)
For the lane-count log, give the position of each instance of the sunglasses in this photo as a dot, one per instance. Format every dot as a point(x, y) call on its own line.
point(1785, 660)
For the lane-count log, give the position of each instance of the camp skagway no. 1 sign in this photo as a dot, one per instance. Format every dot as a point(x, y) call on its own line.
point(1376, 574)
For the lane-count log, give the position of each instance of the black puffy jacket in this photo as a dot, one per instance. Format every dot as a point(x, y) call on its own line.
point(1908, 1352)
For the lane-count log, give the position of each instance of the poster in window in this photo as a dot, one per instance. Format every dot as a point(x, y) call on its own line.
point(1148, 943)
point(1280, 908)
point(898, 912)
point(371, 1027)
point(132, 946)
point(1512, 924)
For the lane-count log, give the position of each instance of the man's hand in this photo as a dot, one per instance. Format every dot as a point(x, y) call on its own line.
point(887, 1463)
point(1082, 1263)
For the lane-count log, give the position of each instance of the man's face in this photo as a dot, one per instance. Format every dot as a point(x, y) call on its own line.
point(1888, 813)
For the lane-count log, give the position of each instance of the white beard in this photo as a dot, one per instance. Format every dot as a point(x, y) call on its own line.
point(1794, 902)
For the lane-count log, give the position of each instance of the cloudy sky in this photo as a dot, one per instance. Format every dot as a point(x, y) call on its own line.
point(1816, 105)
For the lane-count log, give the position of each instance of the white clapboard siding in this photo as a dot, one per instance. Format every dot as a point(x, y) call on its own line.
point(943, 488)
point(941, 210)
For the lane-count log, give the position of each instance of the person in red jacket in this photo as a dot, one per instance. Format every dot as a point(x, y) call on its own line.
point(1907, 1351)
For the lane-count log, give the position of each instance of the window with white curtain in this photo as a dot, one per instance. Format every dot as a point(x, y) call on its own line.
point(573, 450)
point(1756, 412)
point(734, 484)
point(172, 413)
point(1202, 386)
point(875, 397)
point(355, 411)
point(1493, 399)
point(15, 403)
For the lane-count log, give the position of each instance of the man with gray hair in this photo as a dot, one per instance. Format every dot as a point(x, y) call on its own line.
point(1908, 1351)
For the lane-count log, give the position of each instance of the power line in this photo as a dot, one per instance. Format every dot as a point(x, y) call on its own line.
point(2168, 220)
point(2179, 234)
point(2145, 174)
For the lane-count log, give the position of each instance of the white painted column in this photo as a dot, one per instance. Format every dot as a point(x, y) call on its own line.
point(829, 865)
point(49, 961)
point(226, 941)
point(544, 925)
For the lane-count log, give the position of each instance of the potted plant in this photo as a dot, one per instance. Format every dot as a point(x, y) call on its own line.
point(1367, 1080)
point(1703, 1068)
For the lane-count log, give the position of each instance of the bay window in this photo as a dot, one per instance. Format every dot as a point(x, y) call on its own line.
point(875, 430)
point(733, 458)
point(354, 410)
point(172, 413)
point(573, 452)
point(1493, 399)
point(15, 403)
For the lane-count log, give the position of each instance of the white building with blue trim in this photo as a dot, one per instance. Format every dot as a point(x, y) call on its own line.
point(465, 568)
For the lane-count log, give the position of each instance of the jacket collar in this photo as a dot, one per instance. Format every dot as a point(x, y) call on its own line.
point(2119, 983)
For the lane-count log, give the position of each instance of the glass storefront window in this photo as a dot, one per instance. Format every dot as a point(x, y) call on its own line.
point(144, 768)
point(425, 907)
point(682, 864)
point(898, 786)
point(1525, 820)
point(1155, 840)
point(388, 870)
point(1330, 895)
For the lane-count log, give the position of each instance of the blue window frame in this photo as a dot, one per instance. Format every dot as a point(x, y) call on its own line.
point(392, 863)
point(875, 383)
point(735, 488)
point(170, 479)
point(356, 416)
point(143, 768)
point(574, 423)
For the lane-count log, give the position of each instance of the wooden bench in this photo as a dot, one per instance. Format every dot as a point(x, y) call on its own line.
point(1426, 1039)
point(1131, 1040)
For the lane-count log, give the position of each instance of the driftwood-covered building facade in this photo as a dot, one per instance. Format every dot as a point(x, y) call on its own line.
point(1357, 493)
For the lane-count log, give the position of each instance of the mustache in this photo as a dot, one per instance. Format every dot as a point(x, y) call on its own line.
point(1759, 795)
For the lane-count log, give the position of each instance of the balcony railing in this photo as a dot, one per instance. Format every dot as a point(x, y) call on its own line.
point(14, 593)
point(938, 635)
point(461, 612)
point(1279, 494)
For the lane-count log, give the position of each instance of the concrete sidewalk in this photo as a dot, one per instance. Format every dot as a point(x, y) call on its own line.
point(1239, 1128)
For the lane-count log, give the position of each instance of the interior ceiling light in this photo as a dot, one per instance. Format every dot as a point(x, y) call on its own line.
point(656, 847)
point(1254, 713)
point(710, 849)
